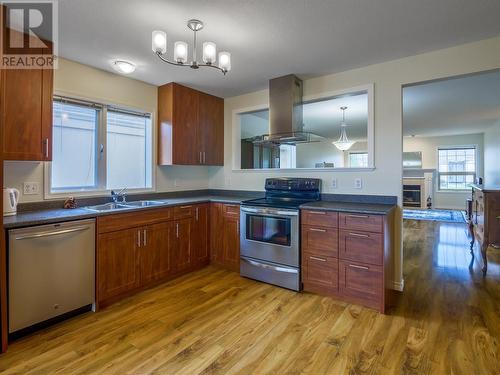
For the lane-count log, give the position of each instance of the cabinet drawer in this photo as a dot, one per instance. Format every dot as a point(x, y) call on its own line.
point(320, 240)
point(320, 218)
point(183, 212)
point(232, 210)
point(320, 271)
point(362, 247)
point(361, 283)
point(110, 223)
point(369, 223)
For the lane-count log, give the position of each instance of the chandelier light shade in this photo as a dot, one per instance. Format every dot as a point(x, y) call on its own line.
point(159, 41)
point(343, 144)
point(181, 51)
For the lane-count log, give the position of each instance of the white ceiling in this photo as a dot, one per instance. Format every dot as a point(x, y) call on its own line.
point(268, 39)
point(466, 105)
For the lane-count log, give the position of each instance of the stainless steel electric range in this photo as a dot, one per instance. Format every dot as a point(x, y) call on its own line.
point(270, 231)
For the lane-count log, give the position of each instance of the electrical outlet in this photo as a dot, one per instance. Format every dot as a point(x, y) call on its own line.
point(334, 183)
point(228, 181)
point(176, 182)
point(358, 183)
point(31, 188)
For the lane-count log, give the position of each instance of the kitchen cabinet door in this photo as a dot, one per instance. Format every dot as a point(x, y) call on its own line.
point(117, 263)
point(211, 129)
point(155, 249)
point(182, 244)
point(26, 110)
point(201, 235)
point(185, 127)
point(231, 243)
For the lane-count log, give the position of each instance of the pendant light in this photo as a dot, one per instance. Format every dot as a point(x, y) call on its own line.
point(343, 144)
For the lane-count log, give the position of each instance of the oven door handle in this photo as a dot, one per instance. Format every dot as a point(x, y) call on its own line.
point(269, 267)
point(269, 211)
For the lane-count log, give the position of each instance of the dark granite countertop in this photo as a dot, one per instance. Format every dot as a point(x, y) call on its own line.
point(362, 208)
point(54, 215)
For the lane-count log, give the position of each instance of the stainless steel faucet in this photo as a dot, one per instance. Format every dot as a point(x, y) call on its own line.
point(121, 194)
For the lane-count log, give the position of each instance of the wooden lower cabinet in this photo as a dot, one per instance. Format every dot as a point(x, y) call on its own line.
point(182, 249)
point(155, 252)
point(225, 235)
point(117, 263)
point(349, 258)
point(201, 235)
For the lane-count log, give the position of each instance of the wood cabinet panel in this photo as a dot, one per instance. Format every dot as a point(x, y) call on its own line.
point(191, 127)
point(363, 222)
point(114, 222)
point(319, 272)
point(117, 263)
point(26, 110)
point(320, 218)
point(182, 212)
point(211, 118)
point(182, 251)
point(361, 283)
point(365, 247)
point(201, 235)
point(155, 252)
point(225, 235)
point(320, 240)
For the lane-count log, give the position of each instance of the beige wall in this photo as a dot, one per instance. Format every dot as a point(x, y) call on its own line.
point(429, 148)
point(388, 79)
point(81, 81)
point(492, 155)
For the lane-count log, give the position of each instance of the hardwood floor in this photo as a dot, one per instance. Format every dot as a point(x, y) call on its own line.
point(212, 321)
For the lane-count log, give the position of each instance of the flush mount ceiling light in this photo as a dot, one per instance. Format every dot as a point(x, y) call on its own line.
point(159, 46)
point(122, 66)
point(343, 144)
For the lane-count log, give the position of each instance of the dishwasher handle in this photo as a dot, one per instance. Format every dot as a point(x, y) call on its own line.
point(52, 233)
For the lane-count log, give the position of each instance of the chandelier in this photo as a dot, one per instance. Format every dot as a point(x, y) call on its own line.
point(159, 45)
point(343, 144)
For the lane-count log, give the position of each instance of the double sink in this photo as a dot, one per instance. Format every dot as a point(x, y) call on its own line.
point(115, 206)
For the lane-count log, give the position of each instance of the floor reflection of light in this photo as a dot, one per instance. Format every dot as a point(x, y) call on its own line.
point(452, 246)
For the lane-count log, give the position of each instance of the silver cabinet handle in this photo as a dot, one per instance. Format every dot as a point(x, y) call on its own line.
point(46, 147)
point(138, 238)
point(52, 233)
point(360, 216)
point(316, 258)
point(317, 212)
point(359, 235)
point(196, 213)
point(177, 230)
point(184, 207)
point(317, 230)
point(144, 238)
point(204, 157)
point(360, 267)
point(200, 159)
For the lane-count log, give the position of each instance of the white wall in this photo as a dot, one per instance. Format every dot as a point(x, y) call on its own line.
point(388, 79)
point(81, 81)
point(429, 148)
point(492, 154)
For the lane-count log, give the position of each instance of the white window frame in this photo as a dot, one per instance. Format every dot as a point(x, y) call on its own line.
point(236, 131)
point(101, 189)
point(476, 164)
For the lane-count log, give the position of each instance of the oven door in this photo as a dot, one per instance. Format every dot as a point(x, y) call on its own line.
point(270, 234)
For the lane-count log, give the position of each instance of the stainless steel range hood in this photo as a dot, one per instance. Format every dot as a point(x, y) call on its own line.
point(285, 113)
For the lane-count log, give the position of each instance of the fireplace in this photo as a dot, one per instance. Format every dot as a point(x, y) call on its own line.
point(412, 196)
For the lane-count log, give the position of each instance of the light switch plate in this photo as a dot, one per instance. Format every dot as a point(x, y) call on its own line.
point(31, 188)
point(358, 183)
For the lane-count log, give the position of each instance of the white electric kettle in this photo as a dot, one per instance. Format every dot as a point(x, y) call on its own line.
point(10, 199)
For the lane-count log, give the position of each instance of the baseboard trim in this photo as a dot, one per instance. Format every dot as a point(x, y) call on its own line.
point(398, 285)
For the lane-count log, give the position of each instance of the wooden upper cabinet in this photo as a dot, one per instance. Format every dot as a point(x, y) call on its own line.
point(26, 113)
point(190, 127)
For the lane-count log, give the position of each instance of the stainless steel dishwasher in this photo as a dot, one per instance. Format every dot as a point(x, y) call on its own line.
point(51, 271)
